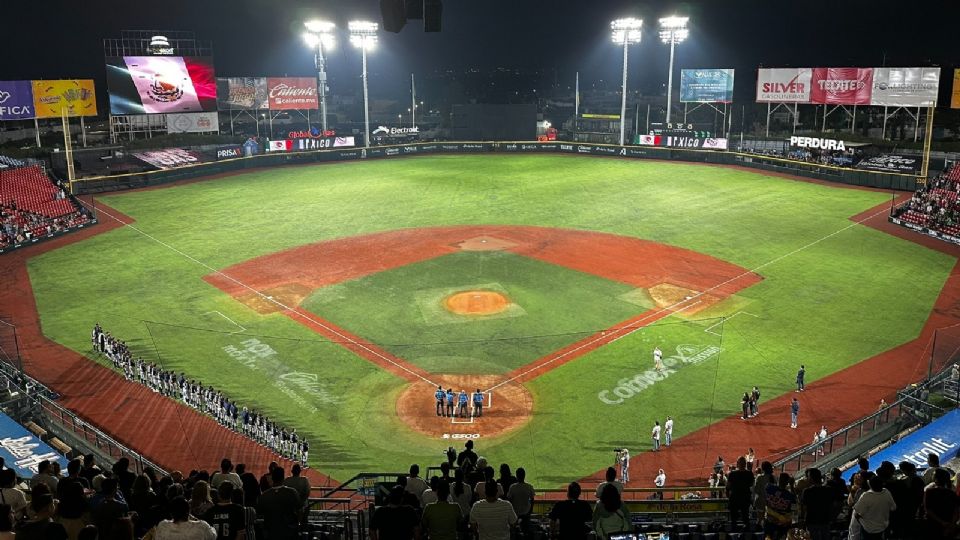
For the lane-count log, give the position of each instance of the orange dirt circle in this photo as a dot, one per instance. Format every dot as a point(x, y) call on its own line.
point(476, 303)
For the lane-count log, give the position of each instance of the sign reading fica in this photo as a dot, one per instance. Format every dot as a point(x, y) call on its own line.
point(292, 93)
point(16, 100)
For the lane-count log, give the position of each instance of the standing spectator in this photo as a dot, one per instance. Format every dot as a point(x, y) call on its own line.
point(750, 457)
point(228, 519)
point(415, 484)
point(568, 519)
point(940, 506)
point(280, 508)
point(44, 476)
point(506, 477)
point(200, 500)
point(225, 474)
point(800, 376)
point(142, 501)
point(492, 517)
point(6, 522)
point(90, 469)
point(719, 465)
point(462, 493)
point(907, 492)
point(430, 494)
point(300, 484)
point(764, 479)
point(933, 464)
point(110, 509)
point(611, 515)
point(251, 488)
point(441, 518)
point(10, 495)
point(739, 487)
point(488, 483)
point(611, 479)
point(125, 478)
point(180, 526)
point(818, 509)
point(655, 433)
point(521, 496)
point(873, 509)
point(467, 455)
point(42, 526)
point(668, 431)
point(72, 504)
point(755, 399)
point(794, 413)
point(660, 481)
point(780, 501)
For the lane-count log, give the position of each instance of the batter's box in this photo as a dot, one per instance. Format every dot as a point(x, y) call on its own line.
point(466, 303)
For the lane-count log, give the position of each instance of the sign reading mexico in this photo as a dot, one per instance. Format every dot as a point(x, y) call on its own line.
point(292, 93)
point(706, 85)
point(161, 84)
point(16, 100)
point(784, 85)
point(75, 97)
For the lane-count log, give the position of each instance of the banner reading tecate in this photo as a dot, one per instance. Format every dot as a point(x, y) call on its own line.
point(16, 100)
point(905, 87)
point(784, 85)
point(292, 93)
point(76, 97)
point(193, 122)
point(841, 86)
point(242, 93)
point(706, 85)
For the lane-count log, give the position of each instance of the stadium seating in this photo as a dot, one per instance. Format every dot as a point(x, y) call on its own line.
point(935, 206)
point(32, 205)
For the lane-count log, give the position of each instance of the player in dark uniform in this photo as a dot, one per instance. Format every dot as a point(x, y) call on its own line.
point(478, 403)
point(440, 395)
point(462, 402)
point(451, 400)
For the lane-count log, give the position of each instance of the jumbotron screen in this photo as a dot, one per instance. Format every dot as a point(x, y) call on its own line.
point(161, 84)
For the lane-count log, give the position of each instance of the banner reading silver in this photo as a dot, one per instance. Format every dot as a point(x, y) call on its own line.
point(242, 93)
point(905, 87)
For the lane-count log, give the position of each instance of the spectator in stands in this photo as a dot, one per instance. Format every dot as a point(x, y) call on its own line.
point(818, 509)
point(739, 488)
point(780, 502)
point(488, 483)
point(872, 511)
point(611, 479)
point(611, 514)
point(251, 488)
point(200, 499)
point(142, 501)
point(10, 495)
point(468, 455)
point(430, 494)
point(44, 476)
point(933, 463)
point(42, 526)
point(6, 522)
point(521, 496)
point(941, 507)
point(441, 519)
point(279, 506)
point(300, 484)
point(764, 479)
point(462, 493)
point(228, 519)
point(180, 526)
point(506, 477)
point(491, 518)
point(225, 474)
point(72, 502)
point(907, 492)
point(110, 508)
point(395, 521)
point(125, 478)
point(415, 484)
point(569, 518)
point(90, 469)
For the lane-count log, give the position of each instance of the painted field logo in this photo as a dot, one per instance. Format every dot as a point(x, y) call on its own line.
point(628, 387)
point(310, 383)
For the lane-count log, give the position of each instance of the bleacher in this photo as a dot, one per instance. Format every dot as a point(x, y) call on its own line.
point(33, 206)
point(934, 207)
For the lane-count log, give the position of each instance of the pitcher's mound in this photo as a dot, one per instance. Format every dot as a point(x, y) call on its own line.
point(476, 303)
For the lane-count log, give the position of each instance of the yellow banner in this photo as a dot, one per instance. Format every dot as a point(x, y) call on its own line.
point(76, 96)
point(955, 98)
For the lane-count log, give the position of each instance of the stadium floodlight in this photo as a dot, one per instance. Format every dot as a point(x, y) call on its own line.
point(673, 30)
point(625, 32)
point(363, 34)
point(319, 36)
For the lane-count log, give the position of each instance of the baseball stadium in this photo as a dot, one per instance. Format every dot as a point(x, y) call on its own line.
point(559, 297)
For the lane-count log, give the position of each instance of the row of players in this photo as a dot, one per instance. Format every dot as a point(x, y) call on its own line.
point(202, 398)
point(451, 404)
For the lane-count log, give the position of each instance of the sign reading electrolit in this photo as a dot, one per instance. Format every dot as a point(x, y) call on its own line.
point(384, 131)
point(22, 451)
point(822, 144)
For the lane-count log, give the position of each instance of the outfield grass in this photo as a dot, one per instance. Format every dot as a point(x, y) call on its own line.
point(848, 293)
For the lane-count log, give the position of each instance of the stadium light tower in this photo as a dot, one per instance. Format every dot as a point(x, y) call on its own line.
point(363, 34)
point(319, 35)
point(673, 30)
point(625, 32)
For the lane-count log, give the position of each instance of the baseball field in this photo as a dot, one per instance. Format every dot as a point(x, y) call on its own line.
point(337, 297)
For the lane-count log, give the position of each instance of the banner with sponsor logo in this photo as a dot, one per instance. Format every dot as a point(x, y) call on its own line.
point(282, 145)
point(292, 93)
point(706, 143)
point(955, 96)
point(22, 451)
point(322, 143)
point(169, 158)
point(891, 163)
point(905, 87)
point(193, 122)
point(706, 85)
point(784, 85)
point(229, 152)
point(816, 142)
point(161, 84)
point(841, 86)
point(242, 93)
point(75, 96)
point(16, 100)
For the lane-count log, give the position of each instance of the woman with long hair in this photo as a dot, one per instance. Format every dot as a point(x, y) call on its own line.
point(610, 514)
point(200, 500)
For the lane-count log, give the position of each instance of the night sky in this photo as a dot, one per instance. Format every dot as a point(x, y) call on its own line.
point(59, 39)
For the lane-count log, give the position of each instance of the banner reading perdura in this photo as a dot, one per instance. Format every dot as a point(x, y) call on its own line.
point(706, 85)
point(16, 100)
point(75, 96)
point(905, 87)
point(242, 93)
point(292, 93)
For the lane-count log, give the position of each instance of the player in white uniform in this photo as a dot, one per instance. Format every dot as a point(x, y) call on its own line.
point(658, 359)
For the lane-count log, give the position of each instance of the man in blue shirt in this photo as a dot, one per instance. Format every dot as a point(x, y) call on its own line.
point(478, 403)
point(451, 400)
point(441, 396)
point(462, 412)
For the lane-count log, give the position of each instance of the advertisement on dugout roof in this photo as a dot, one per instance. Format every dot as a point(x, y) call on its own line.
point(905, 87)
point(841, 86)
point(169, 158)
point(706, 85)
point(784, 85)
point(161, 84)
point(292, 93)
point(76, 97)
point(242, 93)
point(16, 100)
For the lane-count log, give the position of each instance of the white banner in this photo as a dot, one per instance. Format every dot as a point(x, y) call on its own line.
point(784, 85)
point(905, 87)
point(193, 122)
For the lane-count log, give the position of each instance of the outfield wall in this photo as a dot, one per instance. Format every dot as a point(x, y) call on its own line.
point(766, 163)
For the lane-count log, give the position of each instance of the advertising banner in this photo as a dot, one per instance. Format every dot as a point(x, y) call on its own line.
point(292, 93)
point(706, 85)
point(905, 87)
point(229, 152)
point(242, 93)
point(784, 85)
point(193, 122)
point(891, 163)
point(955, 96)
point(322, 143)
point(75, 96)
point(169, 158)
point(22, 450)
point(283, 145)
point(161, 84)
point(842, 86)
point(16, 100)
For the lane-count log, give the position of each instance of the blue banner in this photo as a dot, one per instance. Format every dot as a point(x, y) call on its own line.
point(706, 85)
point(941, 437)
point(22, 450)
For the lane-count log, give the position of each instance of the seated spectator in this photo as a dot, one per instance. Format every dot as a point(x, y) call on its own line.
point(181, 526)
point(569, 518)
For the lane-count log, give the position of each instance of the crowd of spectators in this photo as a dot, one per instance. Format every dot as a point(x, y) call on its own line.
point(848, 158)
point(935, 204)
point(203, 398)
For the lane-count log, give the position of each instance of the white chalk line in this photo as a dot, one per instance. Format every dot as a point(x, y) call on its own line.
point(241, 328)
point(725, 319)
point(264, 296)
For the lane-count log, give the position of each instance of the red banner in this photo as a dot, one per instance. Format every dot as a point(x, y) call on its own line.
point(842, 86)
point(292, 93)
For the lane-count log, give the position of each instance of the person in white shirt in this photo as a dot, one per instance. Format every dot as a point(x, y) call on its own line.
point(521, 496)
point(226, 474)
point(611, 478)
point(492, 517)
point(658, 359)
point(668, 430)
point(181, 527)
point(656, 435)
point(823, 439)
point(873, 509)
point(415, 484)
point(659, 482)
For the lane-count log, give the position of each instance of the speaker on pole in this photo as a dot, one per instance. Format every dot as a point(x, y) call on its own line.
point(394, 15)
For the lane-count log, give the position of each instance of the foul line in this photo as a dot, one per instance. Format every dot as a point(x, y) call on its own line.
point(725, 319)
point(634, 328)
point(265, 297)
point(241, 329)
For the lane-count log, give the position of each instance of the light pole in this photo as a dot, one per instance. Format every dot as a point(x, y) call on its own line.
point(625, 32)
point(319, 34)
point(673, 30)
point(363, 34)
